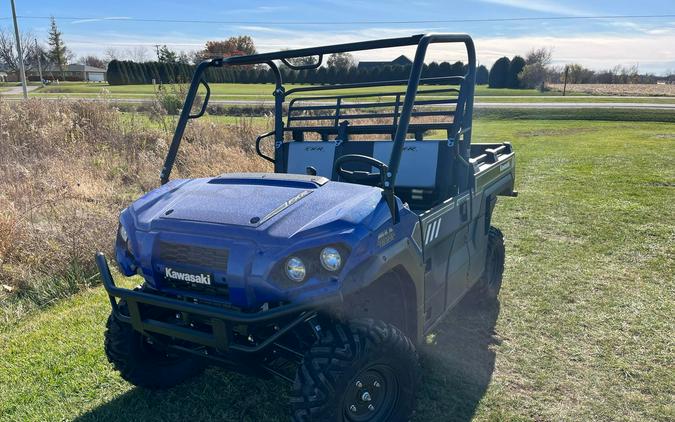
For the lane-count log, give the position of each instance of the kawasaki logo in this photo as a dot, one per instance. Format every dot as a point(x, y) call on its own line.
point(191, 278)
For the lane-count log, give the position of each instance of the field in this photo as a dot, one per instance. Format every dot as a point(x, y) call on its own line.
point(234, 89)
point(654, 95)
point(618, 89)
point(583, 330)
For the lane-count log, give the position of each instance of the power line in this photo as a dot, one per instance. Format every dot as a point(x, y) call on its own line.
point(342, 22)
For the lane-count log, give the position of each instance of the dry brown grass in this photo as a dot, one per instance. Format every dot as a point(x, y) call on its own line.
point(620, 89)
point(66, 171)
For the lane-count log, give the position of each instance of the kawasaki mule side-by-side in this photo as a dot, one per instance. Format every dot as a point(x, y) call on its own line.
point(328, 272)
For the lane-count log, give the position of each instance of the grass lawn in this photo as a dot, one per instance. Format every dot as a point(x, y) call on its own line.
point(584, 329)
point(263, 92)
point(246, 89)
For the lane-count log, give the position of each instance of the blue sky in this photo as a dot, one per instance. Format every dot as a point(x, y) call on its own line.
point(595, 43)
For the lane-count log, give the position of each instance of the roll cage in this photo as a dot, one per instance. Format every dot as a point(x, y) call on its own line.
point(330, 115)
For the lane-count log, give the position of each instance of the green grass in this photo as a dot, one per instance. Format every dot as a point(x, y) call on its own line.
point(583, 331)
point(588, 114)
point(245, 89)
point(263, 92)
point(236, 91)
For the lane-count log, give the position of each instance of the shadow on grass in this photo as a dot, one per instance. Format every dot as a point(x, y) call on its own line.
point(458, 363)
point(217, 395)
point(457, 368)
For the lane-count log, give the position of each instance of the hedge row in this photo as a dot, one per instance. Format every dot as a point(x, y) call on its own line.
point(131, 73)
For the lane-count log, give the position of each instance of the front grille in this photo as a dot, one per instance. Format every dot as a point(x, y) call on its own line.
point(210, 259)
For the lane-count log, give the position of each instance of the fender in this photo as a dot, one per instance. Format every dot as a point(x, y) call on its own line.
point(400, 255)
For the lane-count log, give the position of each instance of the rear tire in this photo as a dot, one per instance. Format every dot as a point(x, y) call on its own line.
point(141, 363)
point(490, 283)
point(354, 366)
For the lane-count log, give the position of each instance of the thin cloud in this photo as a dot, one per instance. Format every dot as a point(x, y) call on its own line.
point(265, 29)
point(109, 18)
point(539, 6)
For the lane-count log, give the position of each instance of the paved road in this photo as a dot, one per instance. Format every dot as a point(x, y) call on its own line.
point(18, 90)
point(477, 104)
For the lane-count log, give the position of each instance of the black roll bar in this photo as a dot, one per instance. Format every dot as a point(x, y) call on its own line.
point(460, 138)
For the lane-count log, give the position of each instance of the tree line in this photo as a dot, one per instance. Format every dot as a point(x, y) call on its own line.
point(131, 73)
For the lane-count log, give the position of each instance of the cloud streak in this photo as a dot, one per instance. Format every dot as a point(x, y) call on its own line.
point(540, 6)
point(110, 18)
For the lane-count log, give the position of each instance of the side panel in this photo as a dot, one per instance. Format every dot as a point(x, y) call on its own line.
point(446, 255)
point(496, 179)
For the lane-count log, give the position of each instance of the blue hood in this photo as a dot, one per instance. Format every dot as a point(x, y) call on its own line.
point(281, 205)
point(238, 227)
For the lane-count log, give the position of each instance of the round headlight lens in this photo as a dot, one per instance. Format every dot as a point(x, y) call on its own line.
point(331, 259)
point(295, 269)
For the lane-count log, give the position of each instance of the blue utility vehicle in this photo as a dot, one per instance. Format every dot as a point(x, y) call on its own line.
point(328, 272)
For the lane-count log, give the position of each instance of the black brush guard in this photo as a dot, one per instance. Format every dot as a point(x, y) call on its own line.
point(220, 320)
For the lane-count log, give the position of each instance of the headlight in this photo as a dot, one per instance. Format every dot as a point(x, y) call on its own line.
point(123, 233)
point(331, 259)
point(295, 269)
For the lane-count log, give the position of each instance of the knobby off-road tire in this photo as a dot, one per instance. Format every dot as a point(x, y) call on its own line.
point(487, 288)
point(354, 365)
point(141, 363)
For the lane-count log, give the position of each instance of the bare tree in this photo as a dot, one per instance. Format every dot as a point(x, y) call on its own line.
point(8, 54)
point(92, 60)
point(542, 56)
point(536, 70)
point(111, 54)
point(196, 56)
point(184, 57)
point(138, 54)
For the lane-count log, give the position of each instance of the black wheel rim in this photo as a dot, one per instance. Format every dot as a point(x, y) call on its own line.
point(371, 395)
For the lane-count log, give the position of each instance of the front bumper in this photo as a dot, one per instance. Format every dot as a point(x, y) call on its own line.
point(220, 322)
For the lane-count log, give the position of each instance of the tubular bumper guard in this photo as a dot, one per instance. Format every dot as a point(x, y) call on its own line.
point(221, 320)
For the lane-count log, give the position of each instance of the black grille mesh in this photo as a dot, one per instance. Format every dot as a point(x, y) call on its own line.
point(210, 259)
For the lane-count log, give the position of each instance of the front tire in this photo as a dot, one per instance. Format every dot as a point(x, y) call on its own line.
point(360, 371)
point(140, 362)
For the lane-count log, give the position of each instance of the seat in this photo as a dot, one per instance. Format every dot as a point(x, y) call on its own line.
point(320, 155)
point(424, 175)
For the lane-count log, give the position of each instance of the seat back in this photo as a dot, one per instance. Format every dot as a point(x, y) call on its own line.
point(423, 177)
point(320, 155)
point(419, 162)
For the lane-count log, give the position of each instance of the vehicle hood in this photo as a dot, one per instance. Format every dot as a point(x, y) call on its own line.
point(279, 204)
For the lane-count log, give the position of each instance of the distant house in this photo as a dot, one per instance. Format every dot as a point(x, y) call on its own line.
point(3, 76)
point(71, 72)
point(399, 61)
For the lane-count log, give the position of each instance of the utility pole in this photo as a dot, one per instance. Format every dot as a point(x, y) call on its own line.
point(38, 53)
point(22, 71)
point(567, 71)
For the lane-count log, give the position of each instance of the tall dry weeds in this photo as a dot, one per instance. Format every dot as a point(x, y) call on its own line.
point(68, 168)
